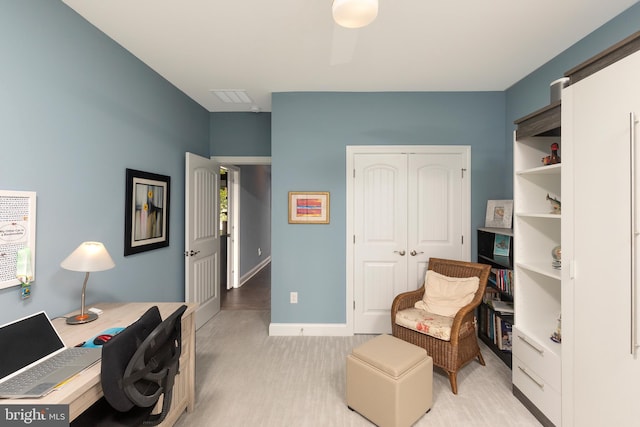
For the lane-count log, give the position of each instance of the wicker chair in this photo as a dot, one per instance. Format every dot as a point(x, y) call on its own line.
point(463, 345)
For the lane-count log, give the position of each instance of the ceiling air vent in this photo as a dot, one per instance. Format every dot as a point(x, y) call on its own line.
point(233, 96)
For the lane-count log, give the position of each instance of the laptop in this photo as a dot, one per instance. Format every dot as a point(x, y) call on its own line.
point(34, 360)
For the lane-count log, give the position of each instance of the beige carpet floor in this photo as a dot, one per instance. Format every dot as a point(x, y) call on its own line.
point(246, 378)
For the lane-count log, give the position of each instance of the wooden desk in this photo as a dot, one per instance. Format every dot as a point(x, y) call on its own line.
point(85, 389)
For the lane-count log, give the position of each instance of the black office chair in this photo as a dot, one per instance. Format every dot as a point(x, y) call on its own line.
point(139, 366)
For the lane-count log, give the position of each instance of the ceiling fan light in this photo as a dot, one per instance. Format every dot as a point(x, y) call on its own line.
point(354, 13)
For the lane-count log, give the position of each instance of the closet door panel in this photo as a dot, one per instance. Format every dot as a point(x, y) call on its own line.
point(602, 372)
point(381, 238)
point(435, 212)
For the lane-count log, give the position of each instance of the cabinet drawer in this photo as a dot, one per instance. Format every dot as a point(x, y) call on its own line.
point(538, 358)
point(544, 397)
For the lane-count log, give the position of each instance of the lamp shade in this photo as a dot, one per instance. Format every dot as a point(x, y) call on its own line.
point(88, 257)
point(354, 13)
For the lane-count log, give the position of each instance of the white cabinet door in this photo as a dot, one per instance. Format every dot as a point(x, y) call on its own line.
point(601, 373)
point(408, 207)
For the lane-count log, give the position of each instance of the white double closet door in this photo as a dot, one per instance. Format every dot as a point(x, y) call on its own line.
point(407, 204)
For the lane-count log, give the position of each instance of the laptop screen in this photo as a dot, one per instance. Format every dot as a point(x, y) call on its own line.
point(26, 341)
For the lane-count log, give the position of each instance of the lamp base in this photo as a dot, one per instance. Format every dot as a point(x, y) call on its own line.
point(79, 319)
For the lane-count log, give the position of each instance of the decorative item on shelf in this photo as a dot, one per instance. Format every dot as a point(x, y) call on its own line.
point(557, 334)
point(556, 86)
point(501, 244)
point(499, 213)
point(556, 254)
point(555, 205)
point(553, 158)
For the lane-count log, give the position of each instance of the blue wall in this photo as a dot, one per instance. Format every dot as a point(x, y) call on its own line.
point(76, 111)
point(532, 92)
point(240, 134)
point(255, 216)
point(310, 132)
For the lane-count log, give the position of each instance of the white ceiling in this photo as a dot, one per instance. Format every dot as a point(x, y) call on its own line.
point(267, 46)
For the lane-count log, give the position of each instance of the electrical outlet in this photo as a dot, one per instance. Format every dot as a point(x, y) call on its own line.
point(259, 251)
point(293, 297)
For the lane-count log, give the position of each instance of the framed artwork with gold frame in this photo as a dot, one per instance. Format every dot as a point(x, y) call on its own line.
point(309, 207)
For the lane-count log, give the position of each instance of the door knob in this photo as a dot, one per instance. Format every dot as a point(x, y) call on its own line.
point(414, 253)
point(399, 252)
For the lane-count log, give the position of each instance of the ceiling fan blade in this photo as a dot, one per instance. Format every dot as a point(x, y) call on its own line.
point(343, 45)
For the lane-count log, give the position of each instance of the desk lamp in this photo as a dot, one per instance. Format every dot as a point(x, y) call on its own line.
point(88, 257)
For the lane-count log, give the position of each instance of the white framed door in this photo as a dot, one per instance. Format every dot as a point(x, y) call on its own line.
point(202, 236)
point(405, 205)
point(232, 163)
point(380, 237)
point(233, 224)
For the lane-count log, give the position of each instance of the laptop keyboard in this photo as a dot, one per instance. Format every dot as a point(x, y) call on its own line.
point(26, 380)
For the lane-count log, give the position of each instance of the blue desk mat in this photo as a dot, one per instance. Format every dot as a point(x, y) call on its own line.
point(110, 331)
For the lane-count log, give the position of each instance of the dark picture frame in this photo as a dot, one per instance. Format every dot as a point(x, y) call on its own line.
point(146, 212)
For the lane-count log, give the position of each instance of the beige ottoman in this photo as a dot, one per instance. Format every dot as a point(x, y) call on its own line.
point(389, 381)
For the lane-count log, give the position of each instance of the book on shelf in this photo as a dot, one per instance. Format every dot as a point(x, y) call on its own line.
point(496, 327)
point(482, 314)
point(497, 339)
point(490, 294)
point(504, 334)
point(502, 279)
point(502, 306)
point(486, 322)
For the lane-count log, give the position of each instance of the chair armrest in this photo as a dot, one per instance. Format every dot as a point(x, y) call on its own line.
point(467, 313)
point(405, 300)
point(464, 315)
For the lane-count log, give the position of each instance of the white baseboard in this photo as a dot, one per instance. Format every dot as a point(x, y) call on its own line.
point(309, 330)
point(300, 329)
point(255, 270)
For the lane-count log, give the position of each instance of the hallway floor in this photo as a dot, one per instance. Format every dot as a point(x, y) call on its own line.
point(253, 295)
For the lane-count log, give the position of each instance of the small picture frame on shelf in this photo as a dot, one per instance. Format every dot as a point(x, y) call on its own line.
point(501, 245)
point(499, 213)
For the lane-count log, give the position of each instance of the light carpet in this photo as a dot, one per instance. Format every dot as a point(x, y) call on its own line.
point(246, 378)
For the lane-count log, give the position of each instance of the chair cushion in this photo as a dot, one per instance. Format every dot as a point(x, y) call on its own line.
point(426, 323)
point(445, 295)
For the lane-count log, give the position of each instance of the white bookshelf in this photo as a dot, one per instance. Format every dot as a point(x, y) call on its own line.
point(537, 230)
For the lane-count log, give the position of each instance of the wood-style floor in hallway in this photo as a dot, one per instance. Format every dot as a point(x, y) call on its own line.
point(255, 294)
